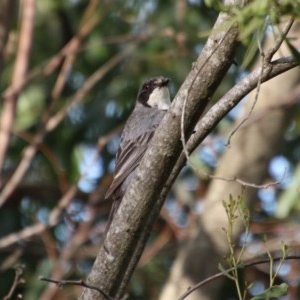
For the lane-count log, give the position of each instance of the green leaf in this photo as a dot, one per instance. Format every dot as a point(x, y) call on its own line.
point(272, 292)
point(29, 107)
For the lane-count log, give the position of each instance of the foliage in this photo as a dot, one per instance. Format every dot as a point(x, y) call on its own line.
point(254, 18)
point(237, 211)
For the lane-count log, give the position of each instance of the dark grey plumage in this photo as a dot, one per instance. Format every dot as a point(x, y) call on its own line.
point(152, 103)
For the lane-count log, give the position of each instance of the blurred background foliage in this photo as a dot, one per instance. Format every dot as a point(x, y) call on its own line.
point(127, 42)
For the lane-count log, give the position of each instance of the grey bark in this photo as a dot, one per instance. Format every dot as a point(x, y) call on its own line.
point(247, 158)
point(129, 223)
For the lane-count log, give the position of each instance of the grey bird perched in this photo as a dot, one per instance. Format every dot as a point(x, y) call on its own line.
point(152, 102)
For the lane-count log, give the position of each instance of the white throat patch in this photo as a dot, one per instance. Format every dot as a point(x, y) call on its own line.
point(160, 98)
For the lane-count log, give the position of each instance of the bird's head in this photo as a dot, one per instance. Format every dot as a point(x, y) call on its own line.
point(155, 93)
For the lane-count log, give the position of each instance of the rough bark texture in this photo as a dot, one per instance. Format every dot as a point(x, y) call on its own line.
point(247, 158)
point(122, 239)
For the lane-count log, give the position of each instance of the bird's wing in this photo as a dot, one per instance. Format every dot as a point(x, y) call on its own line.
point(128, 158)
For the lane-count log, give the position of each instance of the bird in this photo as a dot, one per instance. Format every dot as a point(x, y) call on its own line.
point(153, 100)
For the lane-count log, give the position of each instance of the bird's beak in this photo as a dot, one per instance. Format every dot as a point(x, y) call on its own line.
point(164, 82)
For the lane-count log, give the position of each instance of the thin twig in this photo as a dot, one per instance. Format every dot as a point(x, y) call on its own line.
point(91, 20)
point(265, 64)
point(87, 86)
point(221, 274)
point(19, 270)
point(50, 155)
point(62, 283)
point(37, 228)
point(248, 184)
point(279, 40)
point(243, 121)
point(11, 260)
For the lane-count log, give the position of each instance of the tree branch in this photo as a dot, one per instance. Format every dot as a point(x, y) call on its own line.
point(115, 256)
point(141, 204)
point(62, 283)
point(221, 274)
point(232, 98)
point(20, 70)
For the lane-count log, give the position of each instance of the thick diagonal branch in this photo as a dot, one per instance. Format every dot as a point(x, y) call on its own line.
point(115, 255)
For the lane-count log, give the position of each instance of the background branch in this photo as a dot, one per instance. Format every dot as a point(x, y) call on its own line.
point(20, 70)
